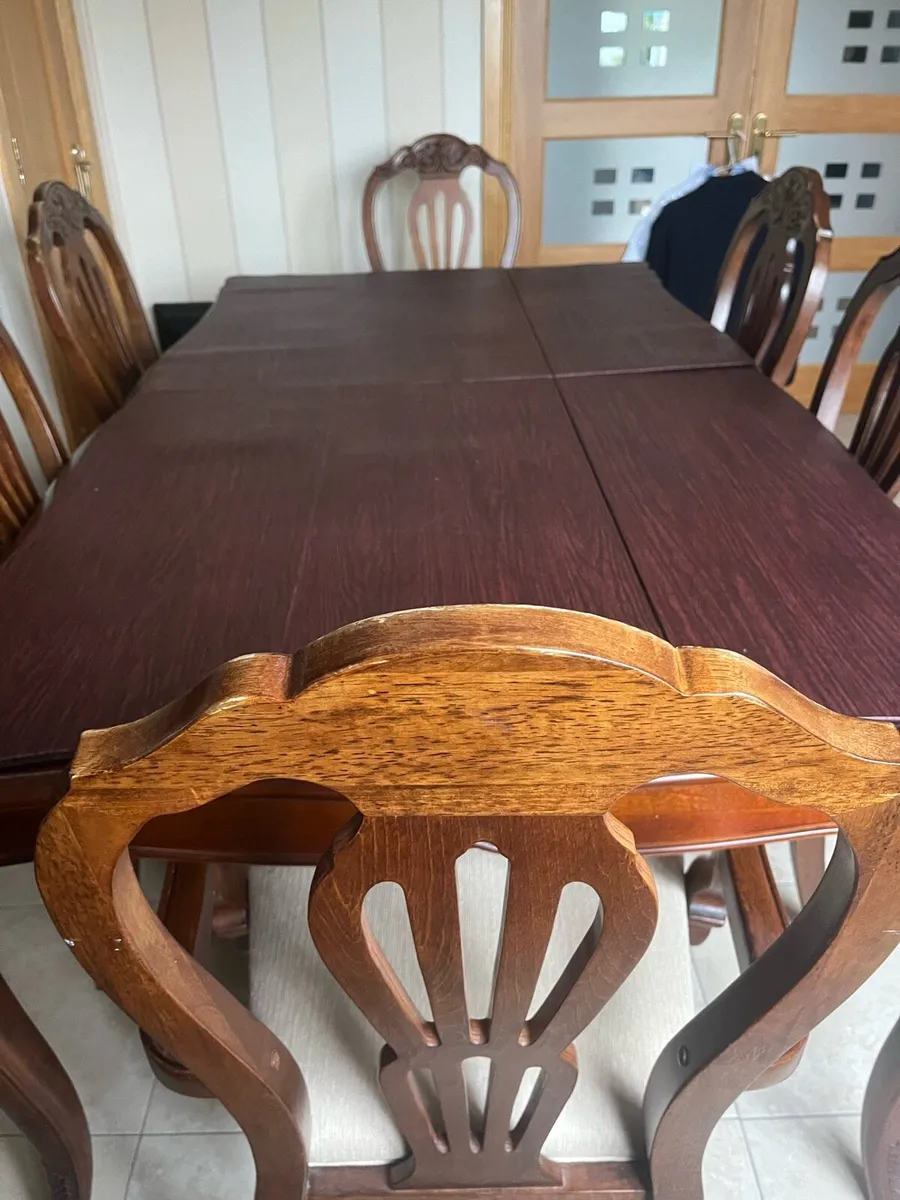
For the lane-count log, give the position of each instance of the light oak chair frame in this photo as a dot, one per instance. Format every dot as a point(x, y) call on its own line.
point(457, 726)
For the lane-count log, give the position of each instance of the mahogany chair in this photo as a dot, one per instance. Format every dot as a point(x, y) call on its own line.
point(527, 985)
point(775, 271)
point(439, 160)
point(19, 498)
point(89, 301)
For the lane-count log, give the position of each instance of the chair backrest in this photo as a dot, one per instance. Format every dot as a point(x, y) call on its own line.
point(768, 302)
point(89, 301)
point(876, 438)
point(439, 160)
point(514, 727)
point(19, 498)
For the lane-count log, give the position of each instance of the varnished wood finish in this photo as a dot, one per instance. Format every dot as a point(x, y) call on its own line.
point(438, 160)
point(843, 354)
point(266, 522)
point(706, 906)
point(615, 317)
point(520, 727)
point(89, 301)
point(757, 919)
point(386, 327)
point(768, 302)
point(722, 477)
point(37, 1094)
point(19, 498)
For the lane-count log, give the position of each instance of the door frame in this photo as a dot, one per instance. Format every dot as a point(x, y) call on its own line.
point(508, 57)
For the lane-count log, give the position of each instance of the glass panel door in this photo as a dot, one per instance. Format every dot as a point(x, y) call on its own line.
point(612, 103)
point(828, 83)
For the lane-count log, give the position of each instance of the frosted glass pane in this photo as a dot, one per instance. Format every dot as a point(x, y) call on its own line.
point(633, 49)
point(595, 190)
point(862, 176)
point(839, 289)
point(845, 48)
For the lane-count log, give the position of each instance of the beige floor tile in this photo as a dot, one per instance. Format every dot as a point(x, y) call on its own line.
point(96, 1043)
point(17, 886)
point(190, 1166)
point(809, 1156)
point(22, 1176)
point(727, 1168)
point(171, 1113)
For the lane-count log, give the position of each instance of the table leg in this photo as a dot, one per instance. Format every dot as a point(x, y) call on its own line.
point(38, 1095)
point(881, 1122)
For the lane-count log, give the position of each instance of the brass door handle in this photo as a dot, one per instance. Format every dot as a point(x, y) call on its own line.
point(733, 137)
point(17, 155)
point(760, 131)
point(82, 173)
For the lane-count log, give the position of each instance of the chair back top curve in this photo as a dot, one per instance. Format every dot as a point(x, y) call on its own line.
point(89, 300)
point(510, 728)
point(876, 437)
point(768, 302)
point(19, 498)
point(439, 159)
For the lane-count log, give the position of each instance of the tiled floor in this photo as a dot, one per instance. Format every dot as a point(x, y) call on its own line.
point(798, 1139)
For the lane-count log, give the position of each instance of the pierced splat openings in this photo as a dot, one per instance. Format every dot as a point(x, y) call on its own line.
point(482, 881)
point(576, 931)
point(387, 915)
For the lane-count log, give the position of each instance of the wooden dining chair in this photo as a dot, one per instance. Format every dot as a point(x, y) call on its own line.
point(439, 160)
point(89, 301)
point(876, 432)
point(19, 496)
point(483, 937)
point(775, 271)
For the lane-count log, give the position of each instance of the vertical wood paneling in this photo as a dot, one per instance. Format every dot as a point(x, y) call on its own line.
point(356, 97)
point(241, 76)
point(414, 106)
point(135, 142)
point(461, 73)
point(187, 98)
point(17, 314)
point(296, 54)
point(245, 144)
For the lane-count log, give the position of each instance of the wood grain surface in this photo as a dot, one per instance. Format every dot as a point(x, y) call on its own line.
point(752, 528)
point(388, 327)
point(197, 527)
point(610, 317)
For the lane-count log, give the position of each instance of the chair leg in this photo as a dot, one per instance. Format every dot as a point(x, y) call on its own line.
point(186, 909)
point(757, 918)
point(881, 1122)
point(808, 858)
point(706, 904)
point(198, 900)
point(38, 1095)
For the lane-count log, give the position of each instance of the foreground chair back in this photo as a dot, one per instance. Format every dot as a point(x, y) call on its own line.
point(485, 749)
point(19, 498)
point(775, 271)
point(876, 438)
point(439, 160)
point(89, 301)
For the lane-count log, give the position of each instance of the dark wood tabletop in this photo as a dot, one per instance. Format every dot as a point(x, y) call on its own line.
point(211, 517)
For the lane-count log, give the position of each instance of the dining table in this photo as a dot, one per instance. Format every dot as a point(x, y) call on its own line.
point(322, 449)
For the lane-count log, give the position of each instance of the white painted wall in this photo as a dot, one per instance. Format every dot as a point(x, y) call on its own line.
point(236, 135)
point(18, 315)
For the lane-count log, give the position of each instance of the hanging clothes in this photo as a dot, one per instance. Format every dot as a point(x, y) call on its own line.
point(636, 250)
point(691, 236)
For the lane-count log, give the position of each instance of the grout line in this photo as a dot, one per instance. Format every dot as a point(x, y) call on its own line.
point(818, 1116)
point(140, 1138)
point(746, 1141)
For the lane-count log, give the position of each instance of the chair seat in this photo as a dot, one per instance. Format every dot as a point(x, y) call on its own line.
point(293, 993)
